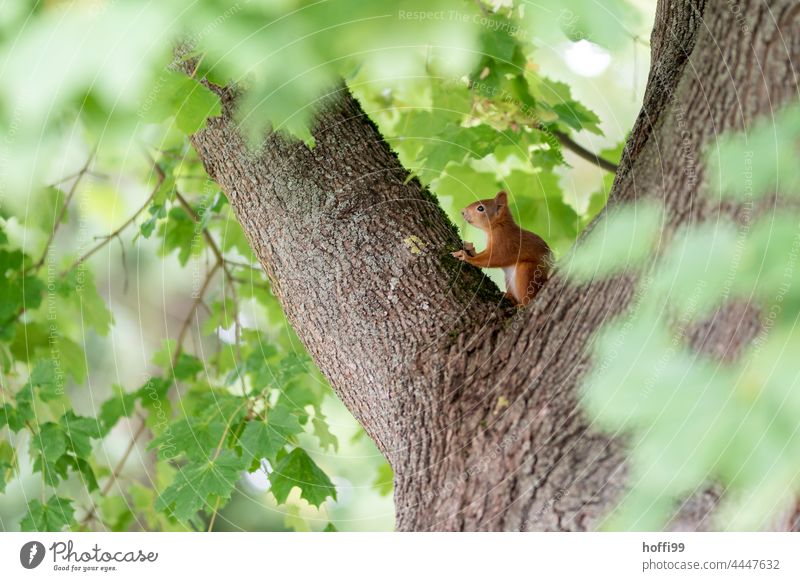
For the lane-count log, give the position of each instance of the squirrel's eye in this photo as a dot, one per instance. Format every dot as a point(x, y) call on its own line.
point(479, 208)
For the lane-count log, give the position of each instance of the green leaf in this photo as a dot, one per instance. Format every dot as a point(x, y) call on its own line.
point(578, 117)
point(8, 416)
point(82, 466)
point(183, 97)
point(187, 366)
point(119, 405)
point(322, 431)
point(24, 411)
point(8, 463)
point(260, 440)
point(52, 516)
point(116, 511)
point(79, 287)
point(697, 271)
point(18, 291)
point(80, 431)
point(197, 482)
point(298, 469)
point(760, 161)
point(155, 401)
point(181, 233)
point(231, 234)
point(624, 240)
point(384, 480)
point(222, 316)
point(607, 24)
point(198, 438)
point(769, 247)
point(48, 446)
point(211, 416)
point(282, 420)
point(157, 210)
point(44, 377)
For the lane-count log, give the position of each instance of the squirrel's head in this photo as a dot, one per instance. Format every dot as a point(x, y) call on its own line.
point(484, 214)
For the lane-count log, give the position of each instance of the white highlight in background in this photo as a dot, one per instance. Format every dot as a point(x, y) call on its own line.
point(586, 58)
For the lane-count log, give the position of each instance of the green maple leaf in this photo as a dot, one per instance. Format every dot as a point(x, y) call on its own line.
point(496, 42)
point(79, 286)
point(322, 431)
point(54, 515)
point(178, 231)
point(5, 475)
point(193, 485)
point(47, 448)
point(190, 102)
point(298, 469)
point(7, 464)
point(80, 431)
point(578, 117)
point(120, 405)
point(195, 437)
point(210, 416)
point(187, 366)
point(8, 416)
point(260, 440)
point(284, 421)
point(17, 291)
point(265, 439)
point(384, 480)
point(43, 376)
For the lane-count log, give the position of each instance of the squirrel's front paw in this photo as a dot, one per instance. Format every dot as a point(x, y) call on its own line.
point(460, 254)
point(469, 248)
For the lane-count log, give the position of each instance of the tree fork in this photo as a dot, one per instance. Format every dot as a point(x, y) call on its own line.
point(474, 404)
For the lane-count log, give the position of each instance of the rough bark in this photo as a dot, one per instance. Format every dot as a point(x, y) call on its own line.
point(474, 404)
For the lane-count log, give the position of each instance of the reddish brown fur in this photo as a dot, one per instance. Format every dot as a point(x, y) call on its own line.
point(523, 255)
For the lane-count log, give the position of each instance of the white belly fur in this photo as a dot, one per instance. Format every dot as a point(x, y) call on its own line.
point(511, 277)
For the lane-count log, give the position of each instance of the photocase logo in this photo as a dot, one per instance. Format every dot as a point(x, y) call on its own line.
point(31, 554)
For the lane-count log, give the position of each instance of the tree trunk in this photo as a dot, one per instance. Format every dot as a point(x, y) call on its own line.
point(473, 403)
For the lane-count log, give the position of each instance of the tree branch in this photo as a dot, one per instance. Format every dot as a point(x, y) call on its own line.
point(582, 152)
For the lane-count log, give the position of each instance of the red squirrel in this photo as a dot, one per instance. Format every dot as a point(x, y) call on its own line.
point(524, 257)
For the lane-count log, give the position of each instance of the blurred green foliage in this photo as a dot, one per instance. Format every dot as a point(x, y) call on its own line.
point(94, 111)
point(693, 421)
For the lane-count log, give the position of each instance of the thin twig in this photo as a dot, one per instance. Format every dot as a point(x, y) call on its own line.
point(580, 151)
point(188, 320)
point(107, 238)
point(66, 178)
point(261, 285)
point(229, 278)
point(116, 472)
point(63, 211)
point(230, 262)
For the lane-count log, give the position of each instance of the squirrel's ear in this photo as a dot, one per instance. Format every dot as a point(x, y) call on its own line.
point(501, 198)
